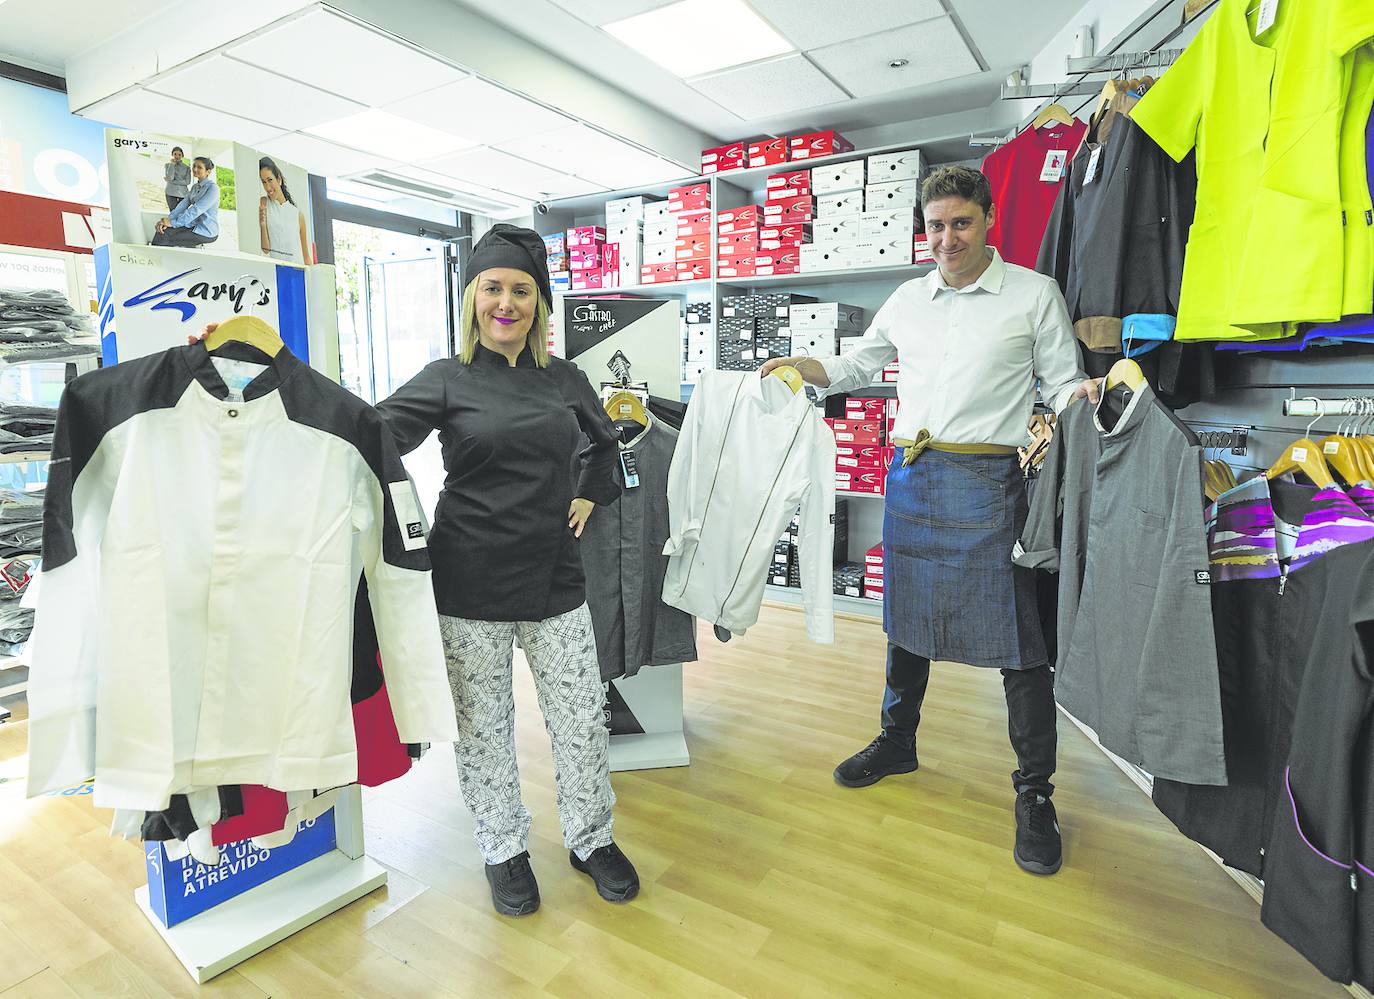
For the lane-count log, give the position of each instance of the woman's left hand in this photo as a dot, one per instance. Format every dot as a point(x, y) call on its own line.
point(578, 513)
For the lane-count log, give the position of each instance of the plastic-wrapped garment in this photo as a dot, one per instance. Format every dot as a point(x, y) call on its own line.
point(33, 332)
point(21, 539)
point(19, 353)
point(20, 506)
point(15, 623)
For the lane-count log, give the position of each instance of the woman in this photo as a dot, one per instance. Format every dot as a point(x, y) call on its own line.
point(280, 222)
point(506, 561)
point(176, 176)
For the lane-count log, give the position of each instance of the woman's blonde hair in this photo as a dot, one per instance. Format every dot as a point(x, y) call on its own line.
point(537, 338)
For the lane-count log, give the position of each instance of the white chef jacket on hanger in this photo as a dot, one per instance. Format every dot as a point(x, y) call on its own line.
point(750, 451)
point(194, 626)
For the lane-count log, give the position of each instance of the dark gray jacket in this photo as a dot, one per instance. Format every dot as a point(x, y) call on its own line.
point(622, 557)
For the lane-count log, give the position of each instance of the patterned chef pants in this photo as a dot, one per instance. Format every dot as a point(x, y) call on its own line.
point(562, 655)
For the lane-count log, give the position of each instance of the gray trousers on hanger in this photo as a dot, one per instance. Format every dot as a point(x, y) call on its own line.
point(562, 655)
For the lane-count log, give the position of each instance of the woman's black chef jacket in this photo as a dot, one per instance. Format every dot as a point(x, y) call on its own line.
point(501, 546)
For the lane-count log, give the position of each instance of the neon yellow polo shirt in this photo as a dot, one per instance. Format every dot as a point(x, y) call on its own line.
point(1268, 247)
point(1356, 203)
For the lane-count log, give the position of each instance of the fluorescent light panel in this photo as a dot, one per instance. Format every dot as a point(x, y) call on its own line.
point(389, 135)
point(503, 172)
point(700, 36)
point(238, 88)
point(150, 112)
point(324, 158)
point(478, 110)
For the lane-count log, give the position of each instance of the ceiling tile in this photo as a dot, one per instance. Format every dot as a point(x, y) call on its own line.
point(141, 109)
point(935, 50)
point(504, 172)
point(308, 49)
point(238, 88)
point(812, 23)
point(320, 157)
point(776, 87)
point(606, 11)
point(479, 111)
point(391, 136)
point(585, 152)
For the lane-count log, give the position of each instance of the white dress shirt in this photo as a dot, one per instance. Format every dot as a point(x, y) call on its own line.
point(749, 453)
point(969, 357)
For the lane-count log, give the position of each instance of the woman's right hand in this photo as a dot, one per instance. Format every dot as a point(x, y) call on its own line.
point(209, 328)
point(262, 211)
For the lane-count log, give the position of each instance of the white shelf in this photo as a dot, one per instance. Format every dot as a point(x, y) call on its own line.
point(846, 494)
point(15, 457)
point(847, 605)
point(846, 274)
point(662, 288)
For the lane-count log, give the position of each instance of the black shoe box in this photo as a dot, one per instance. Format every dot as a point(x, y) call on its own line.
point(740, 328)
point(849, 579)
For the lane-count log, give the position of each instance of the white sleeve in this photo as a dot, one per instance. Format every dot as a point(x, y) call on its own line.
point(682, 471)
point(816, 543)
point(396, 563)
point(1056, 352)
point(875, 351)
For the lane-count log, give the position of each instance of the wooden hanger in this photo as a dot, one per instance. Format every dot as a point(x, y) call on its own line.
point(789, 375)
point(1125, 372)
point(245, 329)
point(1211, 484)
point(1343, 456)
point(1303, 455)
point(1228, 475)
point(1055, 112)
point(623, 405)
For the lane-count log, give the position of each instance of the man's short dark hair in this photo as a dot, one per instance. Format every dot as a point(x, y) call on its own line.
point(178, 149)
point(206, 162)
point(957, 182)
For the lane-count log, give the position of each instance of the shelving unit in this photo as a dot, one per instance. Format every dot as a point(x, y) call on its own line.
point(861, 606)
point(856, 275)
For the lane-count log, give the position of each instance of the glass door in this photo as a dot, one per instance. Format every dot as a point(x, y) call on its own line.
point(394, 304)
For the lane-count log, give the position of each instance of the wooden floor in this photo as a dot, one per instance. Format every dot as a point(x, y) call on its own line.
point(761, 876)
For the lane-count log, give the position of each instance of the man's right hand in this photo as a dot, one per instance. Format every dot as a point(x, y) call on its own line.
point(811, 370)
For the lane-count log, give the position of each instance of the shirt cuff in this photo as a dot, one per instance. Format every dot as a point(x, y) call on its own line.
point(1065, 396)
point(834, 370)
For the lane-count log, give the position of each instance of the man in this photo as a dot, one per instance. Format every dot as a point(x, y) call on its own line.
point(972, 339)
point(195, 220)
point(177, 175)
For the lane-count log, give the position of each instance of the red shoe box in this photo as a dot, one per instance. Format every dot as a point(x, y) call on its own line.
point(698, 269)
point(857, 431)
point(813, 144)
point(789, 185)
point(734, 220)
point(737, 246)
point(587, 235)
point(861, 481)
point(657, 273)
point(692, 198)
point(890, 372)
point(587, 280)
point(719, 159)
point(692, 247)
point(767, 152)
point(920, 250)
point(777, 262)
point(873, 589)
point(586, 259)
point(873, 561)
point(735, 267)
point(889, 453)
point(864, 464)
point(789, 210)
point(861, 408)
point(793, 234)
point(610, 265)
point(868, 454)
point(694, 223)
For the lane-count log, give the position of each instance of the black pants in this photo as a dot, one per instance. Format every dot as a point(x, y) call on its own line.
point(172, 202)
point(180, 237)
point(1031, 717)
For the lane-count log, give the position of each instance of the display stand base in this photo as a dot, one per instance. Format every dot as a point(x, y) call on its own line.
point(219, 938)
point(646, 720)
point(649, 751)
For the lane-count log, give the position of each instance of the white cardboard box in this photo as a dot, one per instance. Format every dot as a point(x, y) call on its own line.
point(661, 232)
point(885, 251)
point(839, 205)
point(847, 176)
point(824, 316)
point(660, 253)
point(820, 256)
point(890, 197)
point(656, 211)
point(886, 167)
point(845, 229)
point(626, 209)
point(815, 343)
point(888, 223)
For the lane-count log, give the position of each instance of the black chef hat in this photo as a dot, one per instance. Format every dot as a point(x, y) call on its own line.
point(511, 246)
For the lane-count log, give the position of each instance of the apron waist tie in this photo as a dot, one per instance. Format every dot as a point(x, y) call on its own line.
point(912, 448)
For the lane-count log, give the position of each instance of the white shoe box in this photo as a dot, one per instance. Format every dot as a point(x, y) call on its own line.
point(822, 256)
point(692, 371)
point(657, 211)
point(625, 232)
point(886, 251)
point(824, 315)
point(901, 222)
point(840, 229)
point(631, 260)
point(838, 205)
point(847, 176)
point(884, 168)
point(626, 209)
point(890, 197)
point(815, 343)
point(660, 253)
point(664, 231)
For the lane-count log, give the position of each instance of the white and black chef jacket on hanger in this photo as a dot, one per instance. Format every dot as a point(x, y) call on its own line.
point(195, 617)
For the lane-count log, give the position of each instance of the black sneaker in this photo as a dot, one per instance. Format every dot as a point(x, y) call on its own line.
point(1039, 849)
point(514, 892)
point(875, 761)
point(611, 871)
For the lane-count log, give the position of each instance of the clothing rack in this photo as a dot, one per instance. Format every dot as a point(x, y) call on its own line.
point(1353, 406)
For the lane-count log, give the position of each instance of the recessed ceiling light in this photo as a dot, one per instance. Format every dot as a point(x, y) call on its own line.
point(693, 37)
point(899, 63)
point(390, 135)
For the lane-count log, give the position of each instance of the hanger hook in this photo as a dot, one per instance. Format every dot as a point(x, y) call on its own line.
point(1321, 411)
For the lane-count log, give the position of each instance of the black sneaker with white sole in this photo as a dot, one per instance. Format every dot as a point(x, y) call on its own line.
point(880, 758)
point(611, 871)
point(514, 892)
point(1039, 848)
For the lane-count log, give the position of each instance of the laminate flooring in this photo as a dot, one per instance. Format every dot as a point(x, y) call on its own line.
point(761, 876)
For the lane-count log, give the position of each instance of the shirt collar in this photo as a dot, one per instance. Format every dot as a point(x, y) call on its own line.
point(279, 368)
point(485, 355)
point(990, 280)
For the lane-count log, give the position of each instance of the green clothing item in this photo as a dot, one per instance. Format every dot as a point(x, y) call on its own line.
point(1277, 161)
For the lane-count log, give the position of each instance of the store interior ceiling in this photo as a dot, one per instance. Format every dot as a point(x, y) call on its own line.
point(495, 105)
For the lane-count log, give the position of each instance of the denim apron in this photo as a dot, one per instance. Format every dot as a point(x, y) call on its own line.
point(950, 522)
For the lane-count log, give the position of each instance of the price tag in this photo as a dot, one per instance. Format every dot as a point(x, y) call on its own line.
point(1300, 454)
point(629, 464)
point(1053, 169)
point(1331, 447)
point(1093, 161)
point(1268, 13)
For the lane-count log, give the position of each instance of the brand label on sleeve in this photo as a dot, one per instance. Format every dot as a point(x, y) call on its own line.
point(1053, 169)
point(1203, 577)
point(629, 464)
point(407, 506)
